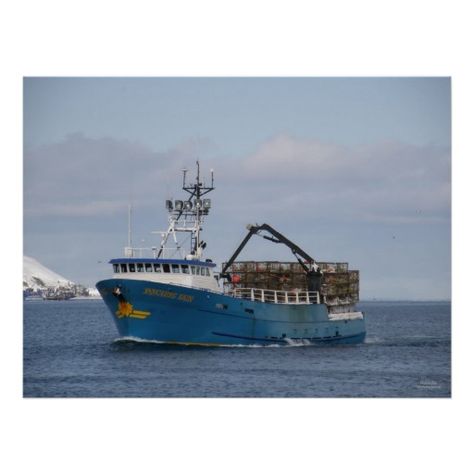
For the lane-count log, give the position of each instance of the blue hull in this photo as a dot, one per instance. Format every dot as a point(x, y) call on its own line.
point(181, 315)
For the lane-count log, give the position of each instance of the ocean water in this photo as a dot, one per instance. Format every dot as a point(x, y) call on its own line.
point(71, 350)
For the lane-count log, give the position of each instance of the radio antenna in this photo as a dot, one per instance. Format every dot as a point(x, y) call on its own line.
point(129, 225)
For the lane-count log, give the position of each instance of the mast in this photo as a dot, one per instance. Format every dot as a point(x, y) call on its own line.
point(188, 215)
point(128, 250)
point(198, 208)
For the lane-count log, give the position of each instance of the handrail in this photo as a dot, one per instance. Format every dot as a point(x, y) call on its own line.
point(277, 296)
point(138, 252)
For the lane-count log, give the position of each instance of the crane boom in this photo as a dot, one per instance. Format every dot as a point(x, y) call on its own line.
point(278, 238)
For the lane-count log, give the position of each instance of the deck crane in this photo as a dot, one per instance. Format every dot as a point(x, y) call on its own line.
point(313, 272)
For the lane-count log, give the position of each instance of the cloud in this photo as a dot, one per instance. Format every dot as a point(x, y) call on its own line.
point(81, 209)
point(83, 176)
point(385, 182)
point(285, 178)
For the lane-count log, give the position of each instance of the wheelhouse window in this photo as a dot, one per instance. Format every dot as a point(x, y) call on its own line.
point(203, 271)
point(166, 267)
point(193, 269)
point(139, 267)
point(123, 267)
point(131, 267)
point(157, 267)
point(185, 268)
point(175, 268)
point(208, 273)
point(148, 268)
point(116, 268)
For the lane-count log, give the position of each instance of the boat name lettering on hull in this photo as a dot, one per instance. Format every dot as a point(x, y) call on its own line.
point(168, 294)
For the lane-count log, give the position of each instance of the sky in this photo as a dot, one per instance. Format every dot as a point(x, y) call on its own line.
point(352, 169)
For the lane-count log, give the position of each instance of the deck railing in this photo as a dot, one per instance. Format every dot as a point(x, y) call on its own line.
point(151, 252)
point(277, 296)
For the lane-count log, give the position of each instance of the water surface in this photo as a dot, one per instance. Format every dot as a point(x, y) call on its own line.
point(70, 350)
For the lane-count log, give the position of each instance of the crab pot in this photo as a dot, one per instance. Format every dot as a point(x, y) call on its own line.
point(339, 286)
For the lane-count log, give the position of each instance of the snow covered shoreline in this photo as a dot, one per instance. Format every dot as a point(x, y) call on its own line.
point(39, 280)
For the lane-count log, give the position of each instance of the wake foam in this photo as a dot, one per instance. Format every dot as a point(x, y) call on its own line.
point(299, 342)
point(289, 343)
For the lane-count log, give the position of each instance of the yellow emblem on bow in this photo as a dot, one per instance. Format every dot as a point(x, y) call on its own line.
point(125, 309)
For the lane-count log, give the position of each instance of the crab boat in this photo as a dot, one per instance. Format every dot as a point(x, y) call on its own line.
point(169, 295)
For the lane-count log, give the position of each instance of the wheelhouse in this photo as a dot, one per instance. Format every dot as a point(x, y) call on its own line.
point(192, 273)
